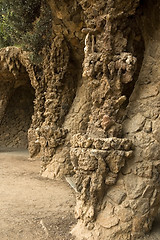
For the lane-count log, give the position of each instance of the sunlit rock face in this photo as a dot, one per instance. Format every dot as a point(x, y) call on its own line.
point(96, 115)
point(96, 112)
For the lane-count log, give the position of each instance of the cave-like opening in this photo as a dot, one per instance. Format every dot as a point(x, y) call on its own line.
point(135, 45)
point(18, 112)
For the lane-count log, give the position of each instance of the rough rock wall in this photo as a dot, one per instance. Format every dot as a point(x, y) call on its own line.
point(78, 128)
point(78, 76)
point(130, 204)
point(16, 98)
point(56, 96)
point(93, 120)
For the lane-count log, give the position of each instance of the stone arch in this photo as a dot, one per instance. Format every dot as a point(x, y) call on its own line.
point(17, 82)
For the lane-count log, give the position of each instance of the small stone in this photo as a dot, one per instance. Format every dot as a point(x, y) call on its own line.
point(117, 195)
point(128, 154)
point(135, 124)
point(107, 122)
point(107, 222)
point(121, 100)
point(111, 179)
point(90, 226)
point(148, 126)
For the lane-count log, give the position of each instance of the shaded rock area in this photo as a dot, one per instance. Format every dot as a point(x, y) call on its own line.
point(16, 99)
point(17, 119)
point(96, 112)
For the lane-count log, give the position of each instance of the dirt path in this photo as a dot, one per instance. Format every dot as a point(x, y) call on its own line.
point(35, 208)
point(32, 207)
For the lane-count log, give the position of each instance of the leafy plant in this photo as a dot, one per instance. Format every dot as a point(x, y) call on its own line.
point(25, 23)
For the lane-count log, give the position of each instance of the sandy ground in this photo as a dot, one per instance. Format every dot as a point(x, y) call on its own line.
point(35, 208)
point(32, 207)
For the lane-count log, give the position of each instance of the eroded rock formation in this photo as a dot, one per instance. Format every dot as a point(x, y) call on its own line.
point(96, 112)
point(16, 98)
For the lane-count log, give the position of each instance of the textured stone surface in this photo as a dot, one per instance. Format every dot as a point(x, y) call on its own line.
point(96, 112)
point(132, 202)
point(16, 97)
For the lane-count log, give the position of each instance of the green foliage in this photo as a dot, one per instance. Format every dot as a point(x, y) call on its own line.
point(5, 39)
point(25, 23)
